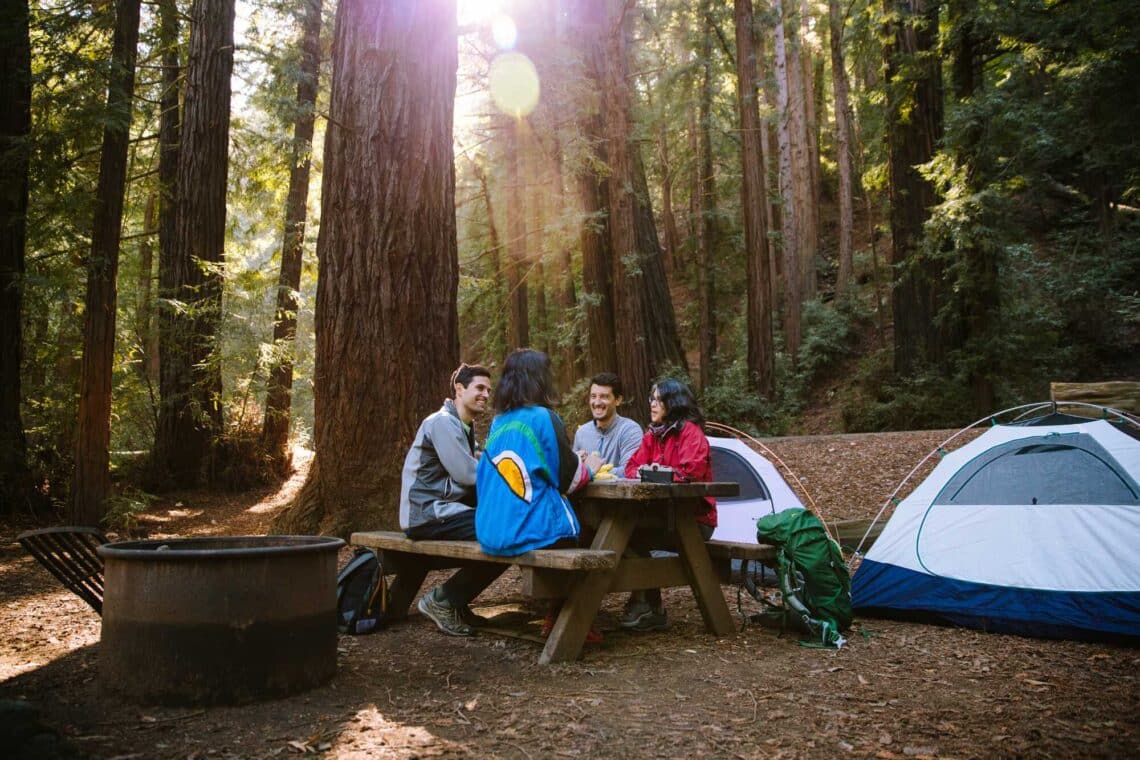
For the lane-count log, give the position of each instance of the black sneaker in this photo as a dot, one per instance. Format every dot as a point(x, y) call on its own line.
point(443, 615)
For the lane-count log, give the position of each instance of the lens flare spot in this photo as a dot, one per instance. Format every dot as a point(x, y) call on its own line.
point(513, 82)
point(504, 32)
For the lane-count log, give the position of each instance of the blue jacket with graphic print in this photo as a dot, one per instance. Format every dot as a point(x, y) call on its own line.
point(526, 466)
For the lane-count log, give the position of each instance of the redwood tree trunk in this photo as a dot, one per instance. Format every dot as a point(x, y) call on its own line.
point(15, 127)
point(279, 394)
point(707, 231)
point(593, 195)
point(643, 311)
point(842, 148)
point(190, 416)
point(914, 127)
point(789, 228)
point(754, 200)
point(571, 359)
point(494, 247)
point(386, 320)
point(92, 477)
point(169, 134)
point(519, 324)
point(145, 326)
point(980, 294)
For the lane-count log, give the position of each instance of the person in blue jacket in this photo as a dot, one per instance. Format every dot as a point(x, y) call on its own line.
point(527, 464)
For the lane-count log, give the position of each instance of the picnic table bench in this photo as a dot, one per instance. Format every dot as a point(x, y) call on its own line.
point(584, 576)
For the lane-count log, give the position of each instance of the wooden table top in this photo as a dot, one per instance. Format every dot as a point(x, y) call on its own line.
point(636, 490)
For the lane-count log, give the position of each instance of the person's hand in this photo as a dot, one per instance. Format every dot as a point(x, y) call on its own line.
point(594, 462)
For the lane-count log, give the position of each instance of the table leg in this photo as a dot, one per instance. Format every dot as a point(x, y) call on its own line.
point(581, 607)
point(703, 578)
point(404, 586)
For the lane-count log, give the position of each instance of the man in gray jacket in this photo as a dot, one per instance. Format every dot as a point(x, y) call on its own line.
point(437, 496)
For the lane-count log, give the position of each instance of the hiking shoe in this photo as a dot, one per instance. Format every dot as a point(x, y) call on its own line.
point(471, 617)
point(445, 616)
point(639, 615)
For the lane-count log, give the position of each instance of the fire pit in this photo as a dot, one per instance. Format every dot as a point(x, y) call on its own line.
point(220, 620)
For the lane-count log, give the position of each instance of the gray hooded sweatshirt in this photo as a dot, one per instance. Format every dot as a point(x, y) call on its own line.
point(439, 470)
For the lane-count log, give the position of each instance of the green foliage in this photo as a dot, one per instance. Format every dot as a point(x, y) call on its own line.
point(729, 402)
point(124, 509)
point(880, 400)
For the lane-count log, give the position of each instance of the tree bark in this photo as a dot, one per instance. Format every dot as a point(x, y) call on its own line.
point(914, 127)
point(668, 217)
point(643, 312)
point(92, 476)
point(789, 228)
point(980, 291)
point(754, 200)
point(707, 230)
point(191, 415)
point(386, 319)
point(169, 135)
point(811, 82)
point(279, 393)
point(842, 148)
point(571, 358)
point(495, 248)
point(15, 151)
point(799, 96)
point(661, 337)
point(519, 323)
point(593, 195)
point(145, 325)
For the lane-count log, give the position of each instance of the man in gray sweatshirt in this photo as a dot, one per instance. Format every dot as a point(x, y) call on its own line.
point(613, 437)
point(437, 496)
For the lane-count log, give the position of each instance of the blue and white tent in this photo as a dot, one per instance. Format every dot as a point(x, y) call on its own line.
point(1031, 528)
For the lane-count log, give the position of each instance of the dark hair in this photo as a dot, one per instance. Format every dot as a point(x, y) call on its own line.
point(465, 373)
point(610, 380)
point(679, 402)
point(526, 381)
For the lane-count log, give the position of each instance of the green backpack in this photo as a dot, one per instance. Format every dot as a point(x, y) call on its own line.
point(814, 582)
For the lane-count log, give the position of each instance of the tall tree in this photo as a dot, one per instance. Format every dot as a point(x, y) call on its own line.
point(842, 146)
point(754, 201)
point(706, 189)
point(191, 416)
point(92, 478)
point(15, 149)
point(790, 240)
point(593, 197)
point(643, 311)
point(519, 322)
point(979, 292)
point(914, 128)
point(386, 320)
point(279, 394)
point(170, 365)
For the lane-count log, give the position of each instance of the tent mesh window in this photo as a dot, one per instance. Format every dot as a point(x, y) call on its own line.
point(1054, 469)
point(729, 466)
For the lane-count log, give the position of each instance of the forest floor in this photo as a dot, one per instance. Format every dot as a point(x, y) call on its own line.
point(896, 690)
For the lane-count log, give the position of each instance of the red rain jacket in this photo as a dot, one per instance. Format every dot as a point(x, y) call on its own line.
point(683, 447)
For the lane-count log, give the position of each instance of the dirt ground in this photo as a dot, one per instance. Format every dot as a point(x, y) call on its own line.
point(896, 690)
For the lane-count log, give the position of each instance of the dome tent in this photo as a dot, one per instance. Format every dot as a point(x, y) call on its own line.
point(1030, 528)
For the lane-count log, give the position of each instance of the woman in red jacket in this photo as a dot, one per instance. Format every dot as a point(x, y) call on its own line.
point(675, 438)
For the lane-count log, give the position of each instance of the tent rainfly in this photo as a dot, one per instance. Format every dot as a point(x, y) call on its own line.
point(1031, 528)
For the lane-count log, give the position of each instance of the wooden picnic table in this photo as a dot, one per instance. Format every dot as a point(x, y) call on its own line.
point(614, 510)
point(582, 577)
